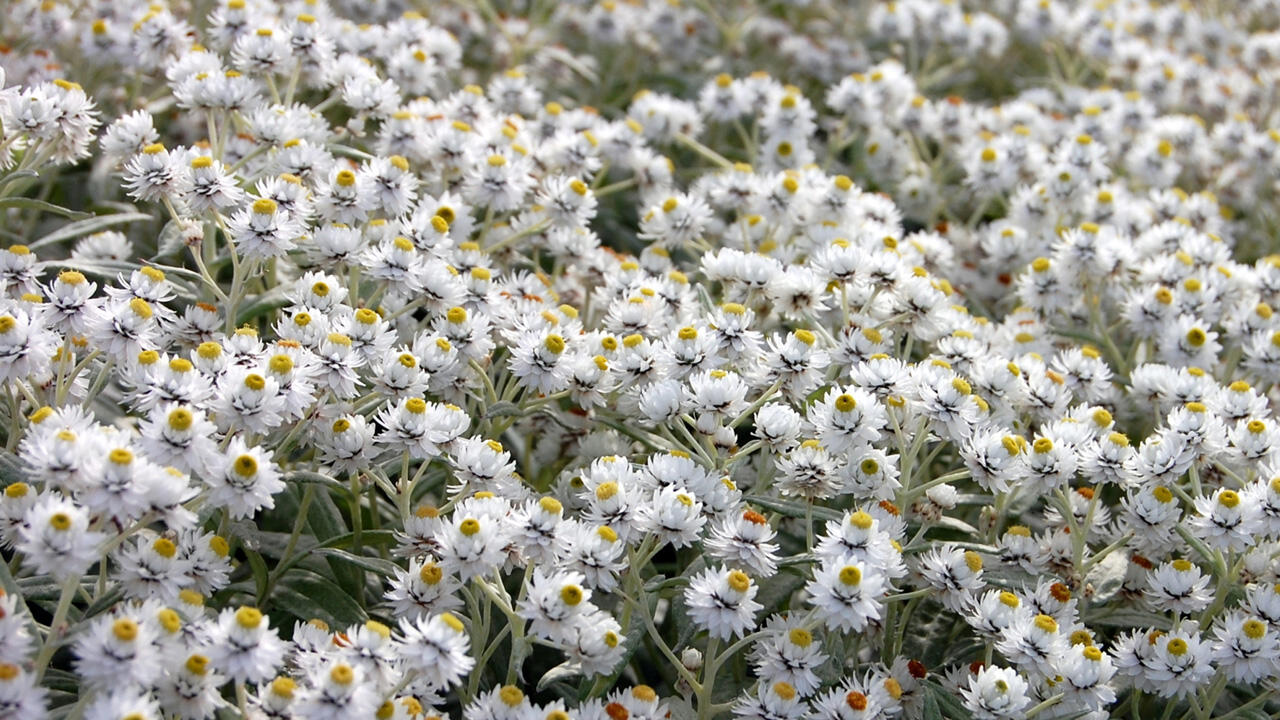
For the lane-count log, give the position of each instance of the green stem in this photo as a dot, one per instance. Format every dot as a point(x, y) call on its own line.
point(703, 150)
point(308, 494)
point(357, 531)
point(903, 621)
point(50, 644)
point(710, 667)
point(912, 595)
point(98, 382)
point(242, 701)
point(916, 492)
point(1048, 703)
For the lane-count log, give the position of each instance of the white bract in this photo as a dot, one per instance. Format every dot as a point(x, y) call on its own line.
point(639, 360)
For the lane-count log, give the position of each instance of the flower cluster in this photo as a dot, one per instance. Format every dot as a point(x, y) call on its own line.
point(596, 361)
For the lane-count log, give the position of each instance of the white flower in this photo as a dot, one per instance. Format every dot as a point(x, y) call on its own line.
point(745, 539)
point(263, 230)
point(1179, 586)
point(244, 647)
point(995, 693)
point(1225, 521)
point(848, 417)
point(153, 569)
point(472, 544)
point(191, 688)
point(55, 538)
point(722, 602)
point(20, 695)
point(1179, 662)
point(155, 174)
point(121, 702)
point(555, 604)
point(955, 573)
point(789, 654)
point(1033, 641)
point(422, 590)
point(1245, 647)
point(848, 594)
point(244, 480)
point(118, 646)
point(1087, 672)
point(674, 515)
point(541, 363)
point(337, 690)
point(436, 648)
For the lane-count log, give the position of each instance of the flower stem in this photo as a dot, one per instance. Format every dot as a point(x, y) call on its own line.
point(55, 626)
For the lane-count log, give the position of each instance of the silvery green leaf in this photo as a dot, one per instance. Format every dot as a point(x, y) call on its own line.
point(88, 227)
point(563, 671)
point(1107, 577)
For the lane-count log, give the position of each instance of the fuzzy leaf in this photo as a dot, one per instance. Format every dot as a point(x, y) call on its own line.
point(563, 671)
point(88, 226)
point(306, 595)
point(1107, 577)
point(25, 203)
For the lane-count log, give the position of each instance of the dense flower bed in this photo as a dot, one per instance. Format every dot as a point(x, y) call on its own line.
point(548, 360)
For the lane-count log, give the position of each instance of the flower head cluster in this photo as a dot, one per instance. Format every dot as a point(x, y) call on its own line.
point(424, 364)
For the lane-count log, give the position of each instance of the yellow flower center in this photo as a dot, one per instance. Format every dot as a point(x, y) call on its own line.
point(1046, 623)
point(850, 575)
point(180, 419)
point(197, 664)
point(972, 560)
point(245, 466)
point(283, 687)
point(430, 573)
point(164, 547)
point(571, 595)
point(169, 620)
point(60, 521)
point(342, 674)
point(248, 618)
point(124, 629)
point(510, 695)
